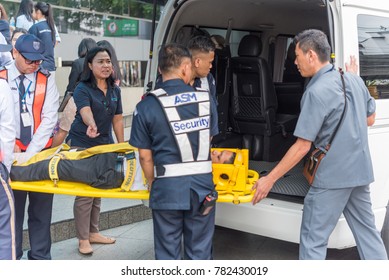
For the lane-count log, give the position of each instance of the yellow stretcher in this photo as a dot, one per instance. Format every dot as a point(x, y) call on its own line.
point(233, 182)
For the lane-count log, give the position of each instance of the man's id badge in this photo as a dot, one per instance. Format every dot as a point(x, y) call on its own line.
point(26, 119)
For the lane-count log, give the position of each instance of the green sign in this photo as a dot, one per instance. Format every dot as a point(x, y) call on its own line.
point(121, 27)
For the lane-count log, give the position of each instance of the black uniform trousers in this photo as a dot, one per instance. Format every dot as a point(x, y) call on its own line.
point(196, 230)
point(39, 221)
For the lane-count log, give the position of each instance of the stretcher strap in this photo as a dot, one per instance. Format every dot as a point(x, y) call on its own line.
point(130, 171)
point(53, 169)
point(237, 164)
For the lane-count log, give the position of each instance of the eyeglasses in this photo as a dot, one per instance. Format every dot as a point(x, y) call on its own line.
point(29, 62)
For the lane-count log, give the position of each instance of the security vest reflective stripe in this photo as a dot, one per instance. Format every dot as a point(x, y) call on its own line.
point(39, 100)
point(180, 129)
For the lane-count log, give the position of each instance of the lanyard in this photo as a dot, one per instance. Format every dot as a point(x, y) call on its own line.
point(23, 99)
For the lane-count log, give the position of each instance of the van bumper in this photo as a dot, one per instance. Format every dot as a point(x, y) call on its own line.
point(281, 220)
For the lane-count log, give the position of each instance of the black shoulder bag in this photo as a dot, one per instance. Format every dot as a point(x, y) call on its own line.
point(317, 154)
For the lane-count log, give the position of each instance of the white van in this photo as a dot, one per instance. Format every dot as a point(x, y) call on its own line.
point(259, 91)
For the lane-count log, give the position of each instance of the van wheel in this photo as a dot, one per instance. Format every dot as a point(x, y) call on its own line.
point(385, 230)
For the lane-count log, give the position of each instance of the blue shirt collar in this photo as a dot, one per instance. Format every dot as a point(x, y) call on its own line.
point(327, 68)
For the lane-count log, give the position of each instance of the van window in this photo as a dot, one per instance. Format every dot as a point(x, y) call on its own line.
point(284, 68)
point(373, 39)
point(235, 37)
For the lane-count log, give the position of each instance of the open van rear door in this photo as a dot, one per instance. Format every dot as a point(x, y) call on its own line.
point(365, 34)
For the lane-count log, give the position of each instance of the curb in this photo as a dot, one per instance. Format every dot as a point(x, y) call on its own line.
point(65, 229)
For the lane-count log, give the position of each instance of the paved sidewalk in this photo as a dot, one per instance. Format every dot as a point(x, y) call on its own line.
point(114, 213)
point(129, 221)
point(133, 242)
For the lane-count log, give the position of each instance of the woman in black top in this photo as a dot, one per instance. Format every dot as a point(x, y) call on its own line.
point(99, 108)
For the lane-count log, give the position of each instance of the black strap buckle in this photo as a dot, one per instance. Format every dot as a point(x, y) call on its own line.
point(160, 169)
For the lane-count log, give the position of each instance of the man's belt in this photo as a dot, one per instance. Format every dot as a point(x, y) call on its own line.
point(183, 169)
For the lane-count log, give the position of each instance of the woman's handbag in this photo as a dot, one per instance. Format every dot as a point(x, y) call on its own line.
point(317, 154)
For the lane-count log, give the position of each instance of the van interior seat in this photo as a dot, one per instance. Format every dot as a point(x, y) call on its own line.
point(289, 96)
point(254, 99)
point(253, 102)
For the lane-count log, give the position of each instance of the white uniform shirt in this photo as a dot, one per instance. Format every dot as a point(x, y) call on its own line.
point(23, 22)
point(49, 114)
point(7, 124)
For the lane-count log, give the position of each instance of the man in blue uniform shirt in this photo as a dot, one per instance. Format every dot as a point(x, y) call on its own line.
point(172, 128)
point(341, 183)
point(202, 50)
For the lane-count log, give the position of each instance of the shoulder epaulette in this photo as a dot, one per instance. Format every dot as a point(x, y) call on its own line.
point(158, 92)
point(44, 72)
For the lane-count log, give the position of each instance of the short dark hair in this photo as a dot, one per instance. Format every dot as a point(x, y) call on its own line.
point(316, 40)
point(171, 56)
point(115, 63)
point(85, 45)
point(87, 74)
point(203, 44)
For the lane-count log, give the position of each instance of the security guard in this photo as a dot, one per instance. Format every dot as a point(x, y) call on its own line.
point(202, 50)
point(35, 97)
point(172, 128)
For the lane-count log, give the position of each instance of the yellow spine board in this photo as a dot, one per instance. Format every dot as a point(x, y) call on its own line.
point(233, 182)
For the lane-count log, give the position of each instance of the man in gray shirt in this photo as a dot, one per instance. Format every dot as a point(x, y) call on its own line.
point(341, 184)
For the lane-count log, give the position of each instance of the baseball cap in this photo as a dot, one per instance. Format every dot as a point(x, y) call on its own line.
point(30, 47)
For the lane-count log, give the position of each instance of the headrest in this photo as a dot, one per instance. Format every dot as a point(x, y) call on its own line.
point(250, 45)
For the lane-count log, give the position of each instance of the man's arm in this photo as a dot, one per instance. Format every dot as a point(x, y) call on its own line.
point(294, 155)
point(371, 119)
point(147, 164)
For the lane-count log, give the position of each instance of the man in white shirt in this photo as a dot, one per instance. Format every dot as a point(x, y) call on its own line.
point(35, 98)
point(7, 142)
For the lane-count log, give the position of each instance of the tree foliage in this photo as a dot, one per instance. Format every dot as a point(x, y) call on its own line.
point(88, 21)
